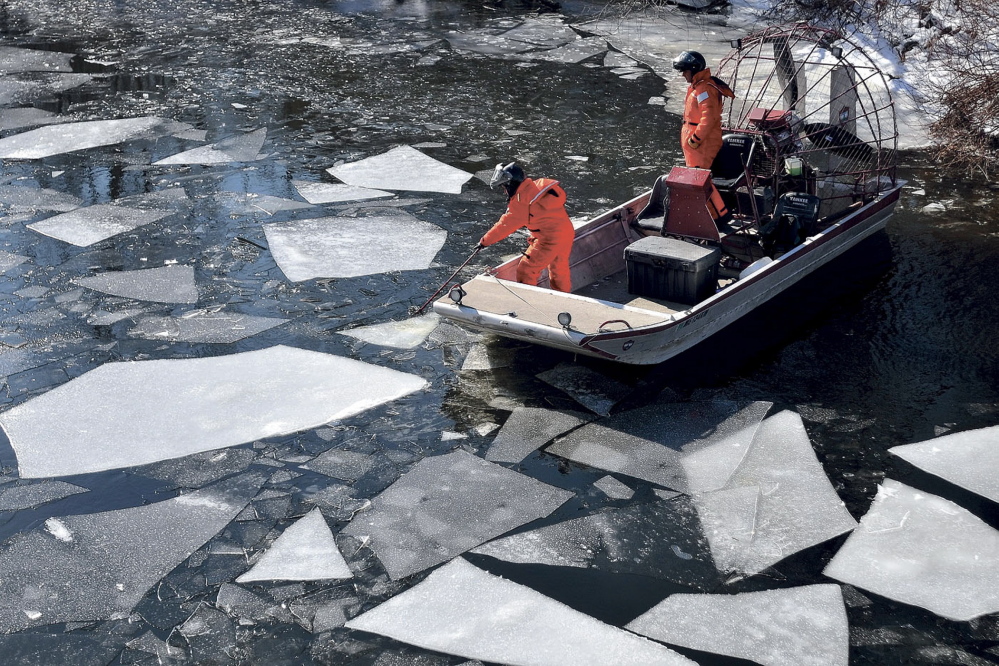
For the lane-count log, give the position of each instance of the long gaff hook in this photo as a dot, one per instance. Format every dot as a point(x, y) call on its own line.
point(441, 288)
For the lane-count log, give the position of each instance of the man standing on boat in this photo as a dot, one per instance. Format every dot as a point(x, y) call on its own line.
point(701, 134)
point(538, 205)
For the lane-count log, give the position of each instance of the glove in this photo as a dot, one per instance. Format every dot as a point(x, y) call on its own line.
point(693, 141)
point(480, 246)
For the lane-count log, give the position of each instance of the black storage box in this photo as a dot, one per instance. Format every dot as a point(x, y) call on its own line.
point(671, 269)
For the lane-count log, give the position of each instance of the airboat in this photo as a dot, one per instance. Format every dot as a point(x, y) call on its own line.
point(808, 167)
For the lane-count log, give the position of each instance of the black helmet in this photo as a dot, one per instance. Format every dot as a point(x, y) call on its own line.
point(690, 61)
point(510, 173)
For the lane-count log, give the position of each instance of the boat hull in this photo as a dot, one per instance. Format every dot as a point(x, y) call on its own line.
point(674, 333)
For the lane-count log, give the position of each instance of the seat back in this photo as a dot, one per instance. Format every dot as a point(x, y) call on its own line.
point(732, 157)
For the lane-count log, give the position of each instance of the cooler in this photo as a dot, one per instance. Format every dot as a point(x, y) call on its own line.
point(671, 269)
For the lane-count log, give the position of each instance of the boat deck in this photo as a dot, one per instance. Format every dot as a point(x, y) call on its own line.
point(537, 305)
point(614, 288)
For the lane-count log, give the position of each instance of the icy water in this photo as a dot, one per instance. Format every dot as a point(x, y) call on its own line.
point(893, 344)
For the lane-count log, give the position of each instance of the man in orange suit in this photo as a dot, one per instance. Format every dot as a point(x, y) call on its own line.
point(701, 134)
point(538, 205)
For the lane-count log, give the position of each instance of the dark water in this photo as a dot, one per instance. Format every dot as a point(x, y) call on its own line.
point(894, 343)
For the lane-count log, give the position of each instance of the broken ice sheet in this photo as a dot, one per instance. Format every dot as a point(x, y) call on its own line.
point(406, 334)
point(487, 44)
point(243, 203)
point(17, 91)
point(70, 137)
point(967, 459)
point(660, 539)
point(402, 168)
point(349, 247)
point(548, 31)
point(923, 550)
point(344, 465)
point(801, 626)
point(321, 193)
point(166, 284)
point(796, 508)
point(134, 413)
point(8, 260)
point(688, 446)
point(26, 117)
point(729, 521)
point(483, 356)
point(48, 580)
point(528, 428)
point(446, 505)
point(33, 60)
point(16, 199)
point(576, 51)
point(204, 327)
point(86, 226)
point(462, 610)
point(239, 148)
point(17, 497)
point(306, 550)
point(588, 387)
point(613, 488)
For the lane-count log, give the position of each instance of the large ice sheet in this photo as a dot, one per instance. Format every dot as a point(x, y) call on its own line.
point(16, 91)
point(124, 414)
point(923, 550)
point(306, 550)
point(16, 198)
point(462, 610)
point(32, 60)
point(86, 226)
point(88, 567)
point(202, 326)
point(25, 117)
point(70, 137)
point(348, 247)
point(796, 508)
point(547, 31)
point(166, 284)
point(660, 539)
point(321, 193)
point(690, 447)
point(404, 334)
point(239, 148)
point(402, 168)
point(446, 505)
point(968, 459)
point(528, 428)
point(801, 626)
point(575, 51)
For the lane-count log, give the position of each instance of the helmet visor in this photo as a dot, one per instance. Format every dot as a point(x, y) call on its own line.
point(500, 176)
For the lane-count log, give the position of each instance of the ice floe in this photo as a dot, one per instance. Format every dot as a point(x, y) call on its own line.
point(660, 539)
point(9, 260)
point(575, 51)
point(405, 334)
point(16, 91)
point(124, 414)
point(340, 464)
point(203, 326)
point(33, 60)
point(90, 567)
point(27, 116)
point(801, 626)
point(613, 488)
point(690, 447)
point(306, 550)
point(487, 44)
point(17, 497)
point(349, 247)
point(241, 203)
point(86, 226)
point(21, 199)
point(70, 137)
point(588, 387)
point(321, 193)
point(796, 506)
point(461, 610)
point(239, 148)
point(923, 550)
point(166, 284)
point(967, 459)
point(402, 168)
point(528, 428)
point(543, 31)
point(446, 505)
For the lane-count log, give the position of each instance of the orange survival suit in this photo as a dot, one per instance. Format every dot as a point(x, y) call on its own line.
point(538, 205)
point(701, 134)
